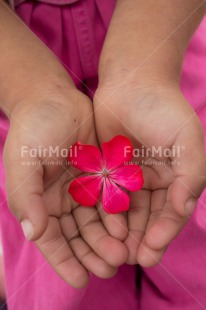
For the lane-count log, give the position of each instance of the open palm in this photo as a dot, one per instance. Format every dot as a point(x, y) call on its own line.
point(163, 121)
point(74, 239)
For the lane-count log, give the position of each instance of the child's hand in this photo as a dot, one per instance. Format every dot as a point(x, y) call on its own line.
point(48, 111)
point(139, 72)
point(71, 237)
point(156, 117)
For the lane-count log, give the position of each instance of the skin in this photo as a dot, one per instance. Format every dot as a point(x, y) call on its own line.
point(51, 112)
point(139, 97)
point(2, 286)
point(84, 239)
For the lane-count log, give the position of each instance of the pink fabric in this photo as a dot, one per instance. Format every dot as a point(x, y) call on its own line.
point(56, 2)
point(75, 32)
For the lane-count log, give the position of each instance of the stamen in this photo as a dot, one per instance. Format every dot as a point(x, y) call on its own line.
point(105, 173)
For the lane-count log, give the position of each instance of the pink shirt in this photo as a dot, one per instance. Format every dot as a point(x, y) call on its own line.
point(30, 281)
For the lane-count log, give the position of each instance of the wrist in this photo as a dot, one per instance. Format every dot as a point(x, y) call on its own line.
point(49, 89)
point(148, 93)
point(130, 80)
point(149, 38)
point(51, 104)
point(28, 67)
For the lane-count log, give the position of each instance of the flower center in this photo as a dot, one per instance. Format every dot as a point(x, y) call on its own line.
point(105, 173)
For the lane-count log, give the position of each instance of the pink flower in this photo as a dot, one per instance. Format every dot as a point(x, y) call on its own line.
point(108, 174)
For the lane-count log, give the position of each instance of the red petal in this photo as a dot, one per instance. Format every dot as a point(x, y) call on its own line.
point(116, 152)
point(129, 177)
point(87, 158)
point(86, 190)
point(114, 200)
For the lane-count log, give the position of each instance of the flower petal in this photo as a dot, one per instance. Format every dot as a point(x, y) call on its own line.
point(114, 199)
point(86, 190)
point(129, 177)
point(116, 152)
point(87, 158)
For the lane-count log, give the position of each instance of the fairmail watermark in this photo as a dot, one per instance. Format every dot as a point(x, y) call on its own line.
point(156, 156)
point(43, 152)
point(155, 152)
point(58, 156)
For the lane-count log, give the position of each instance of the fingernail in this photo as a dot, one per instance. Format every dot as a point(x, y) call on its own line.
point(27, 228)
point(190, 206)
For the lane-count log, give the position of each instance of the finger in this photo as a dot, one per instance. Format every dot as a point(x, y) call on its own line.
point(190, 174)
point(138, 216)
point(25, 191)
point(185, 192)
point(87, 257)
point(115, 224)
point(113, 251)
point(57, 252)
point(157, 175)
point(163, 226)
point(148, 257)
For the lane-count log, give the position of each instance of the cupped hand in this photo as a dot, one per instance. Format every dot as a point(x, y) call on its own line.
point(155, 118)
point(73, 239)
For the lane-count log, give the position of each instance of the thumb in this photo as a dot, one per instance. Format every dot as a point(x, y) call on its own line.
point(190, 177)
point(185, 192)
point(24, 182)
